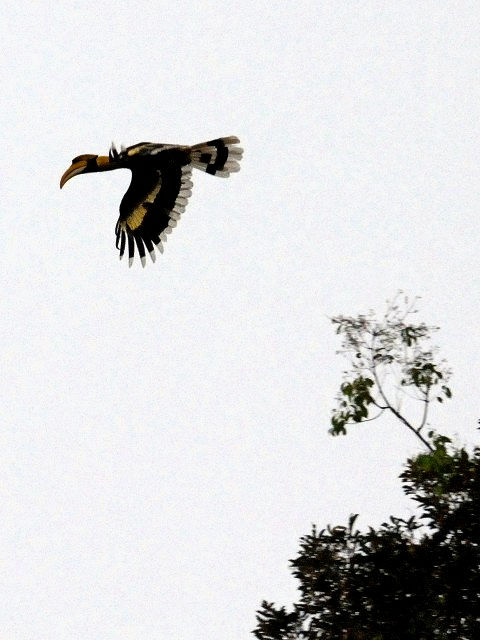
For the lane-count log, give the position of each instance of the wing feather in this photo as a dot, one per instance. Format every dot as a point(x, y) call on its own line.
point(131, 250)
point(122, 245)
point(156, 198)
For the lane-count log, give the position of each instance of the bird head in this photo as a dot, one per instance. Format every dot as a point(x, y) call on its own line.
point(89, 163)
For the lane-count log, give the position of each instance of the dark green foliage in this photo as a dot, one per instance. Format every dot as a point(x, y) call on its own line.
point(415, 579)
point(353, 407)
point(394, 582)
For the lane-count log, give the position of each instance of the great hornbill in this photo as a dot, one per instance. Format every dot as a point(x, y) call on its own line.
point(160, 186)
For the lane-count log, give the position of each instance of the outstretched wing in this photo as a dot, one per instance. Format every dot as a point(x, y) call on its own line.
point(154, 201)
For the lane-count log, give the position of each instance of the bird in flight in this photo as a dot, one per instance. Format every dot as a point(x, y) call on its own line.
point(160, 187)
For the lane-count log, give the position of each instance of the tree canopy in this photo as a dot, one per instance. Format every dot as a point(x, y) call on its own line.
point(415, 578)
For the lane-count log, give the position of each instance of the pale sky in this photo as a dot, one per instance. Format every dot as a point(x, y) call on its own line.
point(164, 435)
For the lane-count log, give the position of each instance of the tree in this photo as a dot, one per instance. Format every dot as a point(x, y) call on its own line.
point(408, 579)
point(391, 361)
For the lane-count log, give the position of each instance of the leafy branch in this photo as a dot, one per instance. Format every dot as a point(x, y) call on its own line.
point(391, 360)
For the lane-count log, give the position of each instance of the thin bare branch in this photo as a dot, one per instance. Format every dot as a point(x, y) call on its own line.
point(425, 409)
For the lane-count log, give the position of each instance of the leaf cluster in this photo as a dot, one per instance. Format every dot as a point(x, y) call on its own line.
point(353, 405)
point(392, 363)
point(415, 579)
point(394, 582)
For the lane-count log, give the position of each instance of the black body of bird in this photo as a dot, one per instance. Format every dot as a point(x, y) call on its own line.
point(160, 186)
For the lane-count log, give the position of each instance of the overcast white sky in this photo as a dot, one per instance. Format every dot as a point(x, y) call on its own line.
point(164, 431)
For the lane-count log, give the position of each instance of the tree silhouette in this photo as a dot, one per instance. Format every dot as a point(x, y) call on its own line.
point(412, 579)
point(391, 361)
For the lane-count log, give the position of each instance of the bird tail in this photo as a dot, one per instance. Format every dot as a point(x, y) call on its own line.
point(218, 157)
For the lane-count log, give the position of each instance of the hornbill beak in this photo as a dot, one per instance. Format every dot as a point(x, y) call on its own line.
point(86, 164)
point(75, 169)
